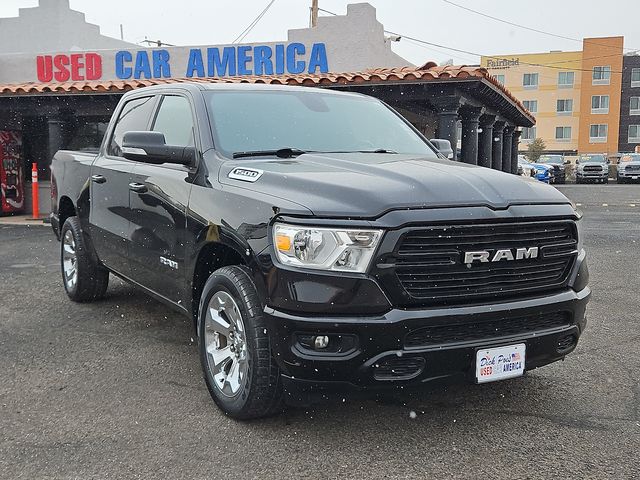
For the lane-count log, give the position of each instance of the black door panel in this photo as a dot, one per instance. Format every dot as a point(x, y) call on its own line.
point(158, 222)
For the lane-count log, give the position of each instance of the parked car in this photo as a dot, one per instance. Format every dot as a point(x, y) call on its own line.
point(541, 172)
point(629, 167)
point(326, 254)
point(525, 169)
point(592, 167)
point(559, 167)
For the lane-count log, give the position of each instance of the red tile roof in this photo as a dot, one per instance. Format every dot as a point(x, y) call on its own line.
point(429, 72)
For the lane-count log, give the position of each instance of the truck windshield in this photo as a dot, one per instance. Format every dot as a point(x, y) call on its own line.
point(594, 158)
point(551, 159)
point(299, 121)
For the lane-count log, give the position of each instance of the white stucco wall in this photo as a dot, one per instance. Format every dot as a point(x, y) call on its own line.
point(52, 27)
point(353, 42)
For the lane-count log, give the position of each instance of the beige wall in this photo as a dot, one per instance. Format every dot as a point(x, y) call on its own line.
point(546, 93)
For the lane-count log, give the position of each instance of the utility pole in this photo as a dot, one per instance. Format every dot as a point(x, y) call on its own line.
point(314, 13)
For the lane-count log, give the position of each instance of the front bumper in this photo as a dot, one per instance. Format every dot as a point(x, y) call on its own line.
point(631, 174)
point(592, 175)
point(380, 339)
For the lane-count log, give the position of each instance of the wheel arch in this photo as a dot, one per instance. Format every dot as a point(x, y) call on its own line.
point(211, 257)
point(66, 209)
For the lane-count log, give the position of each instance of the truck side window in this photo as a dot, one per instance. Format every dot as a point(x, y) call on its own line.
point(134, 117)
point(175, 121)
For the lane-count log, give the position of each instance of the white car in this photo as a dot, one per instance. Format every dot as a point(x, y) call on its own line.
point(629, 168)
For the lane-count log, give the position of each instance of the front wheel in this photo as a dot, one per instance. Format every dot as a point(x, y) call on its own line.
point(84, 278)
point(239, 370)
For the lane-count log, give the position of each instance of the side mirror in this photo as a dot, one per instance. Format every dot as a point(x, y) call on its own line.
point(151, 147)
point(567, 162)
point(443, 146)
point(608, 161)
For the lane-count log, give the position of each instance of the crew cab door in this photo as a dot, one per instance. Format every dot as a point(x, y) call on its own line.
point(159, 195)
point(110, 212)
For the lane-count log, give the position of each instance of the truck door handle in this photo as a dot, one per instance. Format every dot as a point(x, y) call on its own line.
point(137, 187)
point(98, 179)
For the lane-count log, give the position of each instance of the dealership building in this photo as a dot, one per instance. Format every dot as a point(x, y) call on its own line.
point(60, 84)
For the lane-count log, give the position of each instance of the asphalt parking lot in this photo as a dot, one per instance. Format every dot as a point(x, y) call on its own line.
point(114, 389)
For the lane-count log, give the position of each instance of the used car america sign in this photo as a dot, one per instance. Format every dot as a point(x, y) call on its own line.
point(235, 60)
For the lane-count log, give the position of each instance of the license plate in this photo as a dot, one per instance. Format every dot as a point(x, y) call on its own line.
point(500, 362)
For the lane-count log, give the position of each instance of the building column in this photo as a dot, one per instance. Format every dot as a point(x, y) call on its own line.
point(506, 148)
point(515, 142)
point(470, 119)
point(496, 150)
point(485, 140)
point(447, 108)
point(55, 129)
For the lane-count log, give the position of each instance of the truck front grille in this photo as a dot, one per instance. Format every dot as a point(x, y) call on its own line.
point(634, 168)
point(592, 168)
point(429, 262)
point(448, 334)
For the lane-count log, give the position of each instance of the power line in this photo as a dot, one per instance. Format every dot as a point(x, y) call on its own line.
point(458, 50)
point(487, 56)
point(531, 29)
point(246, 31)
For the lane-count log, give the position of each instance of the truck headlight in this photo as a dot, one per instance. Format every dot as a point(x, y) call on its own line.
point(341, 250)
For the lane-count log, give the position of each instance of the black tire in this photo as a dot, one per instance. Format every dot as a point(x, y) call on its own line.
point(260, 391)
point(578, 180)
point(90, 280)
point(606, 180)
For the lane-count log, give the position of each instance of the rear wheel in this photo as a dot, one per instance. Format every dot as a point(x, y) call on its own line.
point(240, 372)
point(84, 278)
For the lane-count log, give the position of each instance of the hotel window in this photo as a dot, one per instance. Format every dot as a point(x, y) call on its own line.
point(600, 104)
point(601, 75)
point(598, 133)
point(531, 105)
point(634, 106)
point(564, 107)
point(563, 134)
point(566, 79)
point(528, 134)
point(634, 134)
point(500, 78)
point(530, 80)
point(635, 77)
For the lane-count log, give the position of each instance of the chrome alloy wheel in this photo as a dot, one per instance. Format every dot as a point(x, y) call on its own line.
point(225, 343)
point(69, 260)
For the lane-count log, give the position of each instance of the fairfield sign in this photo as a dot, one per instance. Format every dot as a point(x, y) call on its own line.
point(234, 60)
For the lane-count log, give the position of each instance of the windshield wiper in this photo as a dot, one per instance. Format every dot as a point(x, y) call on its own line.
point(377, 150)
point(280, 153)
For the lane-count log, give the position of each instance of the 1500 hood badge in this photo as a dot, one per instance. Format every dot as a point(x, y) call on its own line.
point(508, 254)
point(245, 174)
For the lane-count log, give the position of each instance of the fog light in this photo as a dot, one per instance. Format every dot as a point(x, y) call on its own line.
point(320, 342)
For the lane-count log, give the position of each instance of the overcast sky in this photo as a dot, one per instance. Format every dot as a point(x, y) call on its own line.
point(211, 22)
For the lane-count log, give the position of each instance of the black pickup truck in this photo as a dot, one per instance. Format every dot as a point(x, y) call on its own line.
point(319, 243)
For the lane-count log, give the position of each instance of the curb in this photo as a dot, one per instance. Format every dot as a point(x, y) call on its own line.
point(24, 220)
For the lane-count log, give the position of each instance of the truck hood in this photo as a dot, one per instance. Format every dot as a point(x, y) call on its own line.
point(366, 185)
